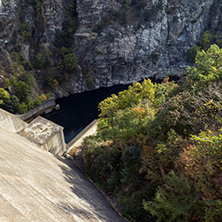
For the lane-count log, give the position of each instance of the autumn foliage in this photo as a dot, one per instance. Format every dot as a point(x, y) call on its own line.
point(159, 146)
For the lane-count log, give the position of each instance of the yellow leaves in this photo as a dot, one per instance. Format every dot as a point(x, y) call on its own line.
point(135, 94)
point(139, 112)
point(4, 94)
point(43, 97)
point(214, 69)
point(209, 102)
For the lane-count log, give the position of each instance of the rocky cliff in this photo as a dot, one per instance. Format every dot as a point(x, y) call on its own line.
point(116, 41)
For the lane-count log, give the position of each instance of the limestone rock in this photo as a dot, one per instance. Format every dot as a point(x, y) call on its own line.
point(120, 52)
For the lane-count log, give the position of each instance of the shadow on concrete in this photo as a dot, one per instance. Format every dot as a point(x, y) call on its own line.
point(97, 208)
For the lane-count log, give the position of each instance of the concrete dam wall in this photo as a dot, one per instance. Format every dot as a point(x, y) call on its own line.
point(44, 133)
point(11, 122)
point(48, 104)
point(41, 187)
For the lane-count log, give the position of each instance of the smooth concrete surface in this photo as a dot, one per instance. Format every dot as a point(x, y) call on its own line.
point(11, 122)
point(37, 186)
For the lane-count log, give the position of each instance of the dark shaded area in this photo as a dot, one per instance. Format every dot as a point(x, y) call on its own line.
point(79, 110)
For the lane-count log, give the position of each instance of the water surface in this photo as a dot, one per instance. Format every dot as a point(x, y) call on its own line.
point(78, 110)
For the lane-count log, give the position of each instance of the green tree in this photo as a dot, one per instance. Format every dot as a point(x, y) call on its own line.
point(22, 108)
point(173, 202)
point(40, 61)
point(29, 103)
point(70, 61)
point(127, 124)
point(206, 40)
point(208, 68)
point(22, 89)
point(134, 95)
point(4, 96)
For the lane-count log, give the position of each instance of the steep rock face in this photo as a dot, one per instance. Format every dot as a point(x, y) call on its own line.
point(39, 18)
point(123, 54)
point(115, 43)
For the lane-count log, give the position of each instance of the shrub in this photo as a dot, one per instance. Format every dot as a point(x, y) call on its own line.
point(4, 96)
point(40, 61)
point(28, 77)
point(22, 89)
point(173, 202)
point(29, 104)
point(131, 164)
point(22, 108)
point(102, 163)
point(132, 207)
point(206, 40)
point(125, 125)
point(15, 102)
point(43, 97)
point(100, 26)
point(207, 70)
point(38, 102)
point(127, 98)
point(70, 61)
point(7, 82)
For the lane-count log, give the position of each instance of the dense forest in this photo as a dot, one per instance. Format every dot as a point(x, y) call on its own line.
point(158, 149)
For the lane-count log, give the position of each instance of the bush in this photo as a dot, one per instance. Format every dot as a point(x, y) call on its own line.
point(43, 97)
point(22, 89)
point(4, 96)
point(7, 82)
point(28, 78)
point(29, 104)
point(131, 164)
point(125, 125)
point(132, 207)
point(100, 26)
point(38, 102)
point(70, 61)
point(40, 61)
point(174, 202)
point(207, 70)
point(102, 163)
point(22, 108)
point(206, 40)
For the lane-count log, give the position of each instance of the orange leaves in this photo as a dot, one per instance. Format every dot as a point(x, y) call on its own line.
point(139, 112)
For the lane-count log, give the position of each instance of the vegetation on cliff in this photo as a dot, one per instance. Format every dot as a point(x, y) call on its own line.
point(33, 67)
point(159, 146)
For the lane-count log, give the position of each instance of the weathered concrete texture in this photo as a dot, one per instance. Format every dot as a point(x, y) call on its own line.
point(37, 186)
point(11, 122)
point(48, 135)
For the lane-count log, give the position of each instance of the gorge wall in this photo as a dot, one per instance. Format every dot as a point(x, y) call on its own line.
point(116, 41)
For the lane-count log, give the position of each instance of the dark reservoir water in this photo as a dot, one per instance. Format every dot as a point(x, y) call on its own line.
point(78, 110)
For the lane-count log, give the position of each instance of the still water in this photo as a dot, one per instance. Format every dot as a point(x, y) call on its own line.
point(78, 110)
